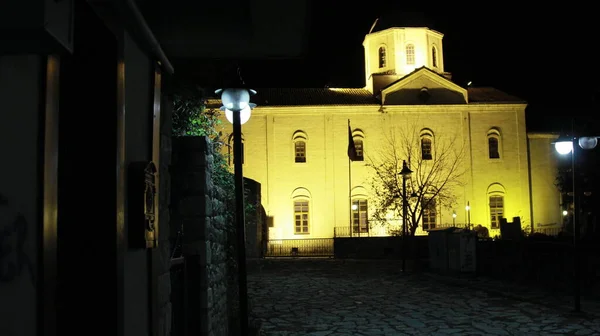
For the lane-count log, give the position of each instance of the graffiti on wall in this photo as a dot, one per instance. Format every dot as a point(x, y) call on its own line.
point(14, 261)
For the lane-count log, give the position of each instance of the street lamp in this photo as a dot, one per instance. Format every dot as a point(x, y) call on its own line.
point(237, 107)
point(564, 145)
point(468, 209)
point(454, 218)
point(405, 172)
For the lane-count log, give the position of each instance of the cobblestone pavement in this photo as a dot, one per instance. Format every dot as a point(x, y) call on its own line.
point(338, 298)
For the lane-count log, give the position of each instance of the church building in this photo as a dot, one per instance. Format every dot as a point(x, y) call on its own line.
point(296, 145)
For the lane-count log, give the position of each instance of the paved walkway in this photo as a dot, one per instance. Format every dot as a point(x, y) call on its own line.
point(338, 298)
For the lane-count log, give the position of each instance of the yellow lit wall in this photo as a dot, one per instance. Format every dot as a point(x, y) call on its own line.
point(547, 212)
point(269, 159)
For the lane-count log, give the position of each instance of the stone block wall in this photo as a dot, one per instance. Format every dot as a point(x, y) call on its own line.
point(205, 213)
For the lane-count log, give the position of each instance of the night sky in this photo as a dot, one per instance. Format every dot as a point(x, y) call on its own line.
point(544, 55)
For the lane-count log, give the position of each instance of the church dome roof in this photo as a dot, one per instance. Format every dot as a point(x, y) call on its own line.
point(403, 19)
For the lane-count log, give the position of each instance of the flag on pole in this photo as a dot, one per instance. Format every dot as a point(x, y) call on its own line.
point(352, 155)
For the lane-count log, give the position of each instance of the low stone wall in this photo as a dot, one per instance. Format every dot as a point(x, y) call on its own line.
point(380, 247)
point(200, 207)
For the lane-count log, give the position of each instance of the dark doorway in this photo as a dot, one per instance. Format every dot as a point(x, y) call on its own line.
point(87, 299)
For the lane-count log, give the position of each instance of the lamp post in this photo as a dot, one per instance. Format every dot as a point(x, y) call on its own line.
point(453, 218)
point(405, 172)
point(237, 107)
point(565, 145)
point(468, 209)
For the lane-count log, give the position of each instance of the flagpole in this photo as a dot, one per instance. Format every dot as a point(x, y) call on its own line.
point(350, 186)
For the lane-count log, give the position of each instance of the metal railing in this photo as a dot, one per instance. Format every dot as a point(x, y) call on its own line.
point(309, 247)
point(344, 231)
point(553, 231)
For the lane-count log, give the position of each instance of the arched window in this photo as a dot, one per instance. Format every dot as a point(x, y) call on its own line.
point(426, 136)
point(496, 197)
point(301, 204)
point(358, 137)
point(299, 139)
point(434, 56)
point(360, 210)
point(410, 54)
point(360, 215)
point(230, 157)
point(382, 57)
point(494, 143)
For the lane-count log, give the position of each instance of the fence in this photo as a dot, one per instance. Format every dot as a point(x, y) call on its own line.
point(375, 231)
point(310, 247)
point(553, 231)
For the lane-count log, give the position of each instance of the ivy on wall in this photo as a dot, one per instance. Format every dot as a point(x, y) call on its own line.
point(191, 117)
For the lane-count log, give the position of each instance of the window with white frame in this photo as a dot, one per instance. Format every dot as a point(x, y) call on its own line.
point(496, 210)
point(410, 54)
point(429, 215)
point(299, 140)
point(301, 216)
point(360, 215)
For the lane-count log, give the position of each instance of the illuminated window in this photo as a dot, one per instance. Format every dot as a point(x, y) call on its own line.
point(429, 213)
point(426, 148)
point(230, 157)
point(299, 138)
point(382, 57)
point(358, 144)
point(301, 216)
point(300, 150)
point(496, 210)
point(360, 222)
point(493, 137)
point(434, 56)
point(410, 54)
point(426, 144)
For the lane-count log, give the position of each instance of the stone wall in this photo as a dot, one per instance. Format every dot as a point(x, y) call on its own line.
point(380, 247)
point(202, 209)
point(162, 256)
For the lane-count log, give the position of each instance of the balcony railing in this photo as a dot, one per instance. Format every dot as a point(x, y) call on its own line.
point(309, 247)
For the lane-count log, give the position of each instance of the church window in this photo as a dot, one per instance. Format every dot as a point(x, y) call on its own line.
point(496, 210)
point(299, 140)
point(496, 196)
point(360, 222)
point(493, 138)
point(301, 216)
point(382, 57)
point(429, 213)
point(410, 54)
point(434, 56)
point(426, 144)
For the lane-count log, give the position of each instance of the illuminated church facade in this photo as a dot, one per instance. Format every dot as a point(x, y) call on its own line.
point(296, 145)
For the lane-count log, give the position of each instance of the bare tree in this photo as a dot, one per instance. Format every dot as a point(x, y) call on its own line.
point(435, 179)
